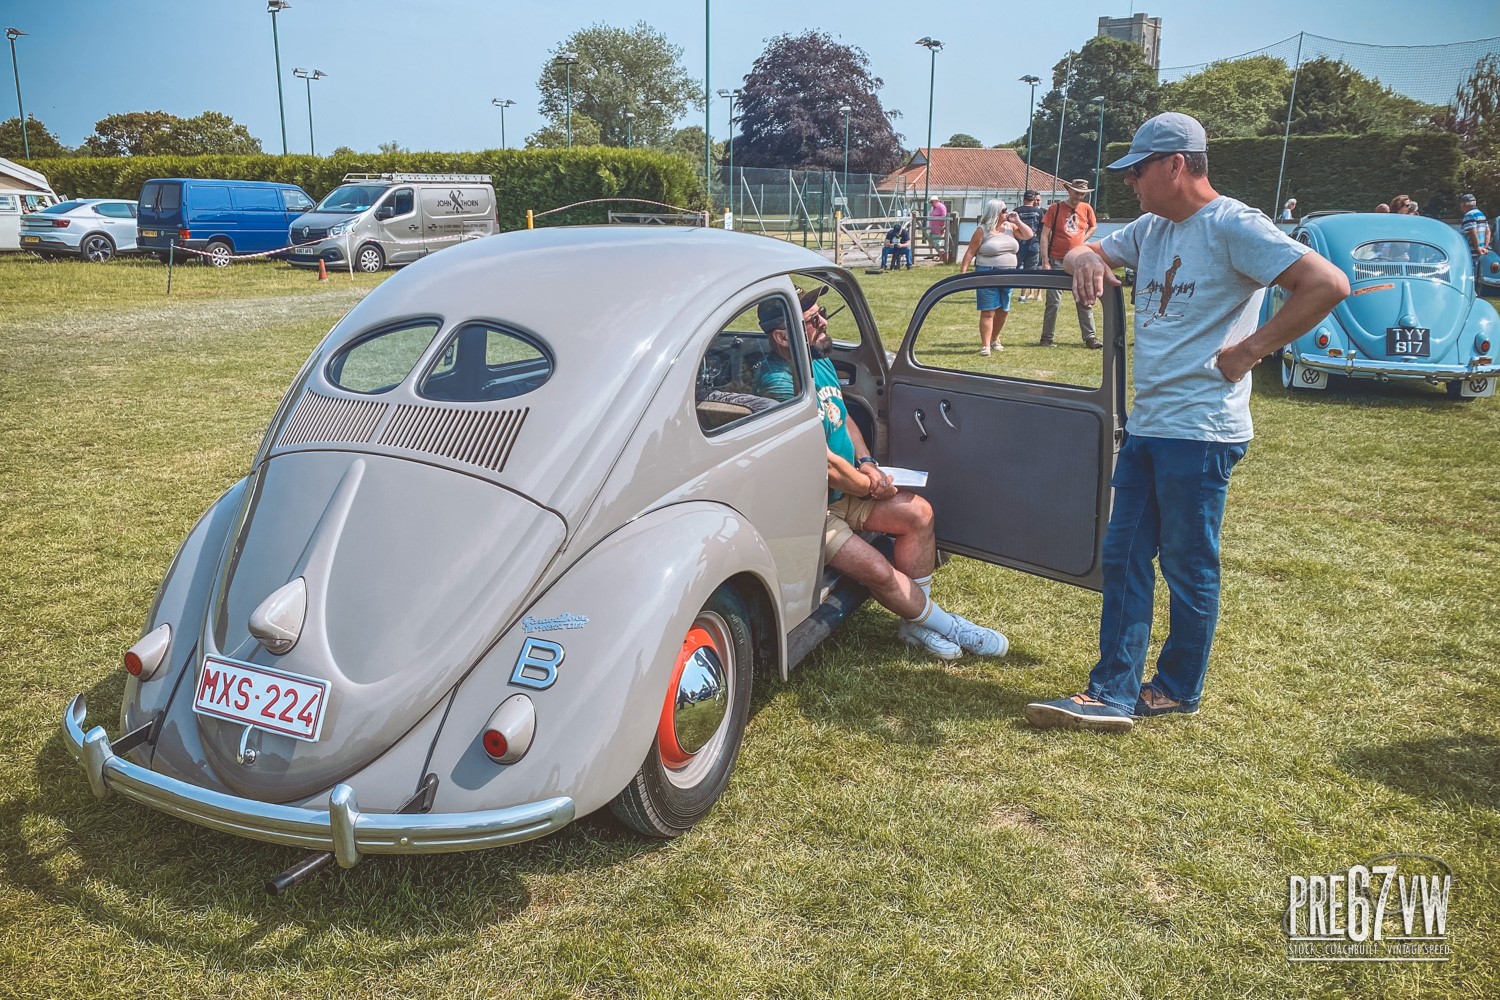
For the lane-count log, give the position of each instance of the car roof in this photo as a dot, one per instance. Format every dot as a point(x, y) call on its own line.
point(1344, 231)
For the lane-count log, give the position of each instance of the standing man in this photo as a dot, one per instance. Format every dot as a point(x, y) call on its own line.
point(937, 221)
point(1475, 227)
point(1191, 419)
point(1030, 256)
point(1066, 225)
point(861, 496)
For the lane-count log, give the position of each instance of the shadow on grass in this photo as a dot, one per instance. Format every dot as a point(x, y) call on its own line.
point(1355, 391)
point(166, 881)
point(1463, 768)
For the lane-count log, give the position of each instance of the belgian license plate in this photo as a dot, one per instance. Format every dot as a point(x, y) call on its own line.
point(305, 251)
point(31, 239)
point(1407, 342)
point(273, 700)
point(149, 232)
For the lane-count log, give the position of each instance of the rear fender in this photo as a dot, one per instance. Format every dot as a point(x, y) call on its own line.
point(619, 615)
point(181, 602)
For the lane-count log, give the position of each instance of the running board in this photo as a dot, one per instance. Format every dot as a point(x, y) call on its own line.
point(843, 600)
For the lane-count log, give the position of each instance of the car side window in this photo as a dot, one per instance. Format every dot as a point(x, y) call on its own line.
point(7, 203)
point(382, 360)
point(114, 210)
point(744, 372)
point(401, 202)
point(296, 201)
point(483, 362)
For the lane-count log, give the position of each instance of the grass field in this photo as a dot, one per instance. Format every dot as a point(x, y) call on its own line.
point(893, 828)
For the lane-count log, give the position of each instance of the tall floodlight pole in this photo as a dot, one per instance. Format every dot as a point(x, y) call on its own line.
point(629, 129)
point(274, 7)
point(846, 109)
point(502, 105)
point(1098, 150)
point(1062, 121)
point(14, 35)
point(1030, 117)
point(708, 137)
point(309, 76)
point(733, 96)
point(568, 59)
point(932, 45)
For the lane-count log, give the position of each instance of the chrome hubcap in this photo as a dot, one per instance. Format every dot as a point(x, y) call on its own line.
point(693, 729)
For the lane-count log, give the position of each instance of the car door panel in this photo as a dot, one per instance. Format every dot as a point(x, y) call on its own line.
point(1018, 466)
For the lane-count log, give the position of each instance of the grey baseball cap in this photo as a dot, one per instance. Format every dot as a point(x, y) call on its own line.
point(1169, 132)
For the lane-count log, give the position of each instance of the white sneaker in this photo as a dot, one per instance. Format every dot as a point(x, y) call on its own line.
point(920, 635)
point(976, 638)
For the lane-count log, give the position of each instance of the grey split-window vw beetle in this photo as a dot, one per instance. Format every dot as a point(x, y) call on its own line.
point(522, 533)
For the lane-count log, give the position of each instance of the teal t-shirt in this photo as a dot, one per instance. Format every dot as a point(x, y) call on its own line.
point(774, 379)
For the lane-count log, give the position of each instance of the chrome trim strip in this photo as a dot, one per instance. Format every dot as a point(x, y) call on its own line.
point(342, 828)
point(1426, 372)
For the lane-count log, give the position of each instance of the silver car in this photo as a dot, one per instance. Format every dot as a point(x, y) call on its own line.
point(522, 534)
point(94, 229)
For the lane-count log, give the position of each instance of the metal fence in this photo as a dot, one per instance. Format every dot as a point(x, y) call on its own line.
point(800, 204)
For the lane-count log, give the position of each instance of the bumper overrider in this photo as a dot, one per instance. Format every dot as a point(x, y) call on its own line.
point(342, 828)
point(1362, 368)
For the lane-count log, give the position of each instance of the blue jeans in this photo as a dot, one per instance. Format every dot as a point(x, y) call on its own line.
point(1169, 505)
point(887, 253)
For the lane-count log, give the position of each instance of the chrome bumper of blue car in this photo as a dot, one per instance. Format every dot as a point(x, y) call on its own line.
point(1362, 368)
point(341, 828)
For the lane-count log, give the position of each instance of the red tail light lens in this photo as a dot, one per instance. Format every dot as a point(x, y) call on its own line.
point(495, 743)
point(61, 223)
point(133, 665)
point(184, 234)
point(1322, 340)
point(1482, 344)
point(144, 658)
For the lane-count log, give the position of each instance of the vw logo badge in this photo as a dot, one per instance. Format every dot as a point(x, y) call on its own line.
point(1311, 377)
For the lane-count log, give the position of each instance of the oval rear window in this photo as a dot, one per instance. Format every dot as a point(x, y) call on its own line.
point(382, 361)
point(483, 362)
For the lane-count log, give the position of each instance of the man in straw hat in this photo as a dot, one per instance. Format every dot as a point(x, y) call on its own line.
point(1065, 225)
point(1202, 262)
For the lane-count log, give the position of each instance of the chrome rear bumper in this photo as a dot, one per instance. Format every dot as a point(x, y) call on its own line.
point(341, 828)
point(1426, 372)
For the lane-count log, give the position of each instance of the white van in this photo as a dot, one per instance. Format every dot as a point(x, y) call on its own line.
point(377, 220)
point(14, 203)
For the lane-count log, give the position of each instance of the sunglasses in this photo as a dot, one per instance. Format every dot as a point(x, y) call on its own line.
point(1136, 169)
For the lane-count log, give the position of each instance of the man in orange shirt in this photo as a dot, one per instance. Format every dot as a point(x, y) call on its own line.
point(1067, 224)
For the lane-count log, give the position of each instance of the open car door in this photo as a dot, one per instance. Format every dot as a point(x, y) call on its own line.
point(1018, 444)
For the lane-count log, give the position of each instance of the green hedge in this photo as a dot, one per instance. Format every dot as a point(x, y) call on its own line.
point(524, 179)
point(1323, 172)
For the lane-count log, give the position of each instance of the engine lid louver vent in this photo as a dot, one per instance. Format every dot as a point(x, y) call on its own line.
point(476, 437)
point(328, 418)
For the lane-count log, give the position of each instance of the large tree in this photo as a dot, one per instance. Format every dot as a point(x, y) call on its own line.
point(1104, 67)
point(554, 135)
point(1475, 118)
point(790, 113)
point(963, 140)
point(157, 133)
point(1233, 97)
point(1326, 102)
point(618, 71)
point(42, 142)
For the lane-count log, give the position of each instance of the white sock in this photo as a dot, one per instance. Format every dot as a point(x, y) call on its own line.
point(925, 583)
point(936, 618)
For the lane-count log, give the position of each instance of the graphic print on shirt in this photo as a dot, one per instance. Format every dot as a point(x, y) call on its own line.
point(833, 416)
point(1165, 290)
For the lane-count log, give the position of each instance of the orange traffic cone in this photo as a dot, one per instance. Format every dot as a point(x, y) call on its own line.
point(322, 270)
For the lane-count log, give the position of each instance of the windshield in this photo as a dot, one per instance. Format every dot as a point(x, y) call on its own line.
point(351, 198)
point(61, 207)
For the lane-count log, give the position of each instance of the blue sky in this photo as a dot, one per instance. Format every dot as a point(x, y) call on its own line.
point(422, 72)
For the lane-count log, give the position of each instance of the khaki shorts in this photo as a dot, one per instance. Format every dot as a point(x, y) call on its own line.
point(846, 518)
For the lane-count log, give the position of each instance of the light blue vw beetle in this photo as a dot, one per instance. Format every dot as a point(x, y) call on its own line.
point(1412, 313)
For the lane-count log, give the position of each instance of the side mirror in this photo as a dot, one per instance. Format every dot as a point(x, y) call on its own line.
point(385, 212)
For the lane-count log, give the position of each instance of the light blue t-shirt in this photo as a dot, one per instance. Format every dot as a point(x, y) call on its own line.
point(1199, 285)
point(774, 379)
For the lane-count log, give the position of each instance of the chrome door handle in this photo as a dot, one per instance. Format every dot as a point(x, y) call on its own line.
point(943, 408)
point(921, 429)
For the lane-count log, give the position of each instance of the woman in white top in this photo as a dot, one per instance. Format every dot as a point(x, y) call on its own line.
point(993, 248)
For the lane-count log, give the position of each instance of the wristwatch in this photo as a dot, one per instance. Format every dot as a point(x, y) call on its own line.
point(863, 460)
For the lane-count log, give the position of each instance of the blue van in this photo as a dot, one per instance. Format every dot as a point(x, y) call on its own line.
point(219, 218)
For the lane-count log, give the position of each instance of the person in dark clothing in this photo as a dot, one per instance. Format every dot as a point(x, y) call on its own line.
point(897, 246)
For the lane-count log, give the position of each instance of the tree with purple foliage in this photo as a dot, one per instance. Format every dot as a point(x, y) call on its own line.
point(789, 111)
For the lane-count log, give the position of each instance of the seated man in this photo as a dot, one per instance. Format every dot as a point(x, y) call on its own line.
point(897, 245)
point(861, 497)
